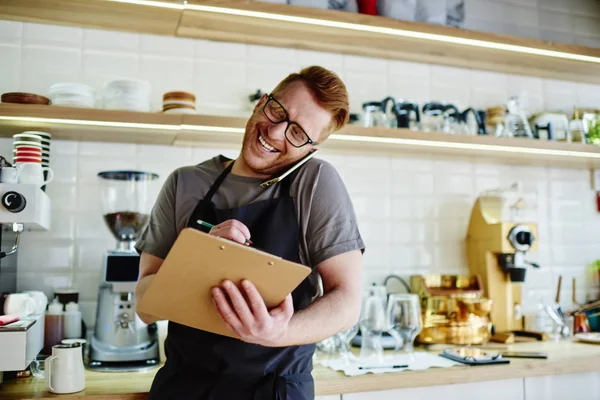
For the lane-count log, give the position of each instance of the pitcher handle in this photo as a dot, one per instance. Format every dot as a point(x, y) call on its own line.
point(48, 367)
point(50, 175)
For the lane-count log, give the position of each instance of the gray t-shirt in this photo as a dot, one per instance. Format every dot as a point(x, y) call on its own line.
point(325, 214)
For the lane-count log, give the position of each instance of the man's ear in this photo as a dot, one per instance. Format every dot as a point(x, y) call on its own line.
point(261, 102)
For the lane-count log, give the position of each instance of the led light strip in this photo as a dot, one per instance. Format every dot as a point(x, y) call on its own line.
point(109, 124)
point(369, 28)
point(464, 146)
point(203, 128)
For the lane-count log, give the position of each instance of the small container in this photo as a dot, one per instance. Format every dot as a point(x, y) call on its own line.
point(53, 326)
point(72, 321)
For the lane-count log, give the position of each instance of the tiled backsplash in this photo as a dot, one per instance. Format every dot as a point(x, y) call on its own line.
point(413, 210)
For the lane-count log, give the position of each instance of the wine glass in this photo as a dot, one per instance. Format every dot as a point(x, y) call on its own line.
point(345, 337)
point(404, 319)
point(372, 324)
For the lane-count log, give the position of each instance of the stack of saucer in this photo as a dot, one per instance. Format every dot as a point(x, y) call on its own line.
point(32, 146)
point(179, 103)
point(127, 94)
point(72, 95)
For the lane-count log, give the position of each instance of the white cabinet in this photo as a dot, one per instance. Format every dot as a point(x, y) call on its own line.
point(332, 397)
point(492, 390)
point(584, 386)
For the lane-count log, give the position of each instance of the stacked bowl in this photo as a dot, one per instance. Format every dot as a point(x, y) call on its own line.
point(32, 146)
point(127, 94)
point(24, 98)
point(72, 95)
point(179, 102)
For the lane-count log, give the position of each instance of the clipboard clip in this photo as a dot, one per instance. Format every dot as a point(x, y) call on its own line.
point(273, 181)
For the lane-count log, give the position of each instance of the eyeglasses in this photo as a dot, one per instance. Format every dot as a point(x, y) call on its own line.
point(294, 133)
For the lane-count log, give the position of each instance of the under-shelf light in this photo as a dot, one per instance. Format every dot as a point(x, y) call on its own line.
point(370, 29)
point(204, 128)
point(464, 146)
point(108, 124)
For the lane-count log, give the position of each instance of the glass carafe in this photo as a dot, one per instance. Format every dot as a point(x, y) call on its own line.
point(372, 324)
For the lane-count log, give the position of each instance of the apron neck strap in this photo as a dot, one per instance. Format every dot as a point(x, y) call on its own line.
point(215, 186)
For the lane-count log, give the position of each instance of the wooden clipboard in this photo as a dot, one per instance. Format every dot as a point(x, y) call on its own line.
point(181, 290)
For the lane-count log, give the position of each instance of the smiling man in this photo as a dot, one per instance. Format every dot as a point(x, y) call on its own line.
point(307, 217)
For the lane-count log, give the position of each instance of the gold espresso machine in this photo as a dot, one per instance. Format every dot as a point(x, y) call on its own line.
point(454, 311)
point(496, 249)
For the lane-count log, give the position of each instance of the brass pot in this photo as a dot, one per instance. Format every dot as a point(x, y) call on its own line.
point(480, 307)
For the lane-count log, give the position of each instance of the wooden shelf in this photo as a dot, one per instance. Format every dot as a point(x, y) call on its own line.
point(213, 24)
point(216, 131)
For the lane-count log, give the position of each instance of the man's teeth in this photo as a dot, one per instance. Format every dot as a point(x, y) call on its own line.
point(265, 144)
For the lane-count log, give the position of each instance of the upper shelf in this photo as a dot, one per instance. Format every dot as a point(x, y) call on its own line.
point(216, 131)
point(248, 21)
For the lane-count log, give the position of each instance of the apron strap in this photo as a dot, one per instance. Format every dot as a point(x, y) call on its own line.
point(274, 387)
point(215, 186)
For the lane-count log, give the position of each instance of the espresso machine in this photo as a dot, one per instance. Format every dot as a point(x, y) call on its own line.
point(498, 241)
point(121, 341)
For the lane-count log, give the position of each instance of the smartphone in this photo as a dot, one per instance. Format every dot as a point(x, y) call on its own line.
point(473, 356)
point(289, 170)
point(523, 354)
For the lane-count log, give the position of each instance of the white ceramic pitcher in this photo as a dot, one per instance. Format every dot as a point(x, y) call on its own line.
point(64, 369)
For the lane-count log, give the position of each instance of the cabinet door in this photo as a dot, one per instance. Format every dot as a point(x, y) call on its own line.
point(332, 397)
point(492, 390)
point(583, 386)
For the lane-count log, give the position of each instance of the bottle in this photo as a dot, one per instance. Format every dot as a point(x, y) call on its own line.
point(577, 128)
point(53, 329)
point(72, 321)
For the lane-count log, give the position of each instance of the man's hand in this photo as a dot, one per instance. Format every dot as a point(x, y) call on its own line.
point(232, 229)
point(250, 320)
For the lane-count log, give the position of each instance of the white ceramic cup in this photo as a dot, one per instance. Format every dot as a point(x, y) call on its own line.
point(19, 304)
point(9, 175)
point(33, 173)
point(41, 301)
point(64, 369)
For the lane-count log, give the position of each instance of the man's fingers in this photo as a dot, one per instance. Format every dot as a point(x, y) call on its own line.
point(285, 308)
point(225, 311)
point(238, 225)
point(240, 306)
point(257, 304)
point(229, 232)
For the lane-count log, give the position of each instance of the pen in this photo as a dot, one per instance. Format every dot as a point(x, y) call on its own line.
point(210, 226)
point(385, 366)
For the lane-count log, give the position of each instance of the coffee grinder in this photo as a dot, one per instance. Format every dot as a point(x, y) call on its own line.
point(121, 341)
point(497, 243)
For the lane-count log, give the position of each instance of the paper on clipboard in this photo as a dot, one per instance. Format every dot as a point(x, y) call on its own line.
point(181, 290)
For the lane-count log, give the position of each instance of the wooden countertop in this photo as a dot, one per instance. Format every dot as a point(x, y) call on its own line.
point(563, 358)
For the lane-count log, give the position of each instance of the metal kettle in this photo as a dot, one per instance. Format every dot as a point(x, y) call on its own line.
point(374, 115)
point(402, 112)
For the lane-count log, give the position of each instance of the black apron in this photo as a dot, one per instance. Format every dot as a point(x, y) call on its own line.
point(204, 366)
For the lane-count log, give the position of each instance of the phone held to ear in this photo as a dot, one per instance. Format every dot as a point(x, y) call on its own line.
point(289, 170)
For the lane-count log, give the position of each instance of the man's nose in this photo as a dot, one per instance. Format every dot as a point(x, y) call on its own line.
point(277, 131)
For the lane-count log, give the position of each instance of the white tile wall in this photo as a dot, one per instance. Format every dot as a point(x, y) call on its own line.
point(413, 209)
point(564, 21)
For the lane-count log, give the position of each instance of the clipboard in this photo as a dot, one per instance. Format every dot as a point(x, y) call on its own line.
point(181, 289)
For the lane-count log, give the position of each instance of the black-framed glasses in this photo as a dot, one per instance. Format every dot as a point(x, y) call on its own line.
point(294, 133)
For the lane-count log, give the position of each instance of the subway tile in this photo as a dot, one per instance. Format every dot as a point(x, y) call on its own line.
point(365, 64)
point(11, 32)
point(91, 225)
point(568, 174)
point(556, 21)
point(520, 83)
point(87, 284)
point(49, 255)
point(522, 31)
point(483, 25)
point(412, 256)
point(460, 96)
point(378, 256)
point(10, 67)
point(89, 253)
point(556, 5)
point(364, 87)
point(412, 232)
point(222, 83)
point(457, 207)
point(585, 7)
point(207, 49)
point(412, 163)
point(200, 154)
point(571, 190)
point(490, 169)
point(453, 184)
point(588, 26)
point(371, 207)
point(486, 10)
point(62, 226)
point(152, 152)
point(64, 168)
point(410, 69)
point(484, 183)
point(276, 55)
point(589, 41)
point(486, 80)
point(414, 208)
point(450, 231)
point(372, 276)
point(52, 35)
point(166, 74)
point(380, 163)
point(451, 256)
point(331, 61)
point(266, 76)
point(106, 150)
point(560, 102)
point(359, 181)
point(88, 314)
point(557, 37)
point(64, 147)
point(566, 211)
point(409, 88)
point(376, 231)
point(521, 15)
point(113, 41)
point(45, 282)
point(88, 197)
point(62, 195)
point(406, 184)
point(484, 98)
point(588, 95)
point(100, 67)
point(43, 66)
point(443, 75)
point(166, 46)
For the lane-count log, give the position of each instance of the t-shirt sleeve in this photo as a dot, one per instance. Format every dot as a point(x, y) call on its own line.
point(161, 232)
point(331, 228)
